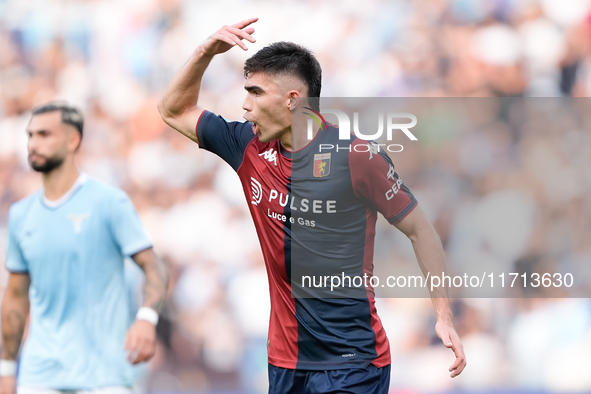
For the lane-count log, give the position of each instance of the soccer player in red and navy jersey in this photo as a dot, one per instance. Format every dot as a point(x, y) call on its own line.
point(311, 210)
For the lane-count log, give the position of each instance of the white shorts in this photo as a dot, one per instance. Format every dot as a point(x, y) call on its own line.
point(102, 390)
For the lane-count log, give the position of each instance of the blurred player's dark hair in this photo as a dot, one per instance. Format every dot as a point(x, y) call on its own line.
point(70, 115)
point(290, 59)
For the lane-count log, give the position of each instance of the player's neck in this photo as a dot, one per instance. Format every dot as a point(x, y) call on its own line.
point(286, 141)
point(60, 180)
point(297, 136)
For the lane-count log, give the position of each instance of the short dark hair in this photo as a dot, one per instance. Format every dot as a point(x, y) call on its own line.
point(70, 115)
point(290, 59)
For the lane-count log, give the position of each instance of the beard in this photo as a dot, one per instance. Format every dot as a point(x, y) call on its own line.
point(50, 164)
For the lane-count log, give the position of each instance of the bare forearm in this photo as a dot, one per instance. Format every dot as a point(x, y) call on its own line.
point(14, 318)
point(182, 93)
point(156, 278)
point(155, 288)
point(431, 259)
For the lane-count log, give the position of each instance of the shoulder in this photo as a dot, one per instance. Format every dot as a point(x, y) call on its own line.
point(213, 122)
point(364, 152)
point(207, 116)
point(98, 185)
point(20, 208)
point(102, 190)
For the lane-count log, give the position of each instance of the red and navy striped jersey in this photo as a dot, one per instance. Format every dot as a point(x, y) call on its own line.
point(315, 212)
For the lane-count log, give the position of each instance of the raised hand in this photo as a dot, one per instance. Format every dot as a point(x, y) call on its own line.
point(229, 36)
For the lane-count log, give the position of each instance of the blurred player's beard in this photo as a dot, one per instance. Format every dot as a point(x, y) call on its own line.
point(50, 164)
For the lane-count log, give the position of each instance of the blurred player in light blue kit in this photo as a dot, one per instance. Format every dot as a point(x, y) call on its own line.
point(66, 249)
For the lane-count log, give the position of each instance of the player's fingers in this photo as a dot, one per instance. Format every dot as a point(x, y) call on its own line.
point(241, 33)
point(145, 351)
point(246, 22)
point(132, 347)
point(221, 37)
point(132, 356)
point(229, 38)
point(237, 40)
point(456, 364)
point(126, 343)
point(139, 357)
point(459, 369)
point(460, 362)
point(139, 352)
point(130, 339)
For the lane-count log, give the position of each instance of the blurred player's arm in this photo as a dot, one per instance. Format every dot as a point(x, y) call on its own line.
point(141, 337)
point(156, 278)
point(431, 258)
point(179, 104)
point(15, 309)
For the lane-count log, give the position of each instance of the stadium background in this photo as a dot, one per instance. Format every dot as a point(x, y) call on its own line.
point(114, 58)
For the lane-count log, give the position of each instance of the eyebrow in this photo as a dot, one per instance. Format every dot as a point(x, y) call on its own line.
point(253, 88)
point(29, 131)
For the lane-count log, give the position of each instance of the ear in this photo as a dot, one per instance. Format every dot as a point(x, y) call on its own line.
point(294, 100)
point(74, 141)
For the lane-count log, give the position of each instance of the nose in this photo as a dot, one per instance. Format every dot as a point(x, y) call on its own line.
point(247, 103)
point(32, 144)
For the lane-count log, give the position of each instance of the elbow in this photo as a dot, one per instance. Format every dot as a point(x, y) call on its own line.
point(164, 113)
point(167, 114)
point(423, 232)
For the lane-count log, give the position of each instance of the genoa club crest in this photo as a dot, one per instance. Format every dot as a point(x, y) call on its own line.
point(321, 164)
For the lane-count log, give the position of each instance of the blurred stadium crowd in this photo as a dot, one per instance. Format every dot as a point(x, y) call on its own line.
point(114, 58)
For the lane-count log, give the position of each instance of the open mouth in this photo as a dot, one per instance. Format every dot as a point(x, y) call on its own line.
point(255, 129)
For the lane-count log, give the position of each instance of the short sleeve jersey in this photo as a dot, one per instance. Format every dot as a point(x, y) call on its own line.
point(74, 253)
point(315, 209)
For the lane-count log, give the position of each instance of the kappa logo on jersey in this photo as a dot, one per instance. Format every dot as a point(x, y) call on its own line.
point(373, 149)
point(270, 156)
point(397, 183)
point(257, 191)
point(321, 165)
point(391, 172)
point(77, 221)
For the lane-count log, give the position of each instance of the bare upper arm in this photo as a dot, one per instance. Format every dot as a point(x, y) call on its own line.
point(413, 223)
point(185, 122)
point(18, 284)
point(145, 257)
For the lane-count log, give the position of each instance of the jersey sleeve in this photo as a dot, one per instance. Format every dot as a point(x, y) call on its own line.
point(226, 139)
point(15, 261)
point(126, 227)
point(375, 180)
